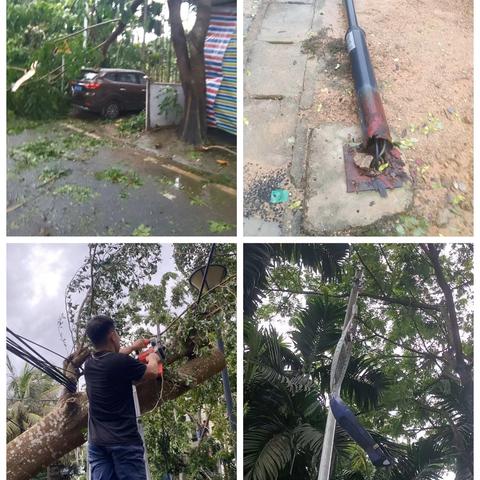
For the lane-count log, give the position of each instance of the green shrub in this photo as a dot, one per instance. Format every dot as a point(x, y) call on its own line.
point(132, 124)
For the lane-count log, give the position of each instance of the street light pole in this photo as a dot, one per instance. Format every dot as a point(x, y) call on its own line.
point(227, 391)
point(145, 19)
point(341, 357)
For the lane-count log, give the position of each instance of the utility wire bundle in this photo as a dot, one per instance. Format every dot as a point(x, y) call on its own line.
point(21, 347)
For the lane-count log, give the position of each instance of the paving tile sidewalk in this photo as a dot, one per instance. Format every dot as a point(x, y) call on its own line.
point(274, 85)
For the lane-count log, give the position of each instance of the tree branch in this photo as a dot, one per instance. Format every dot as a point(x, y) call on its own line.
point(369, 271)
point(428, 355)
point(406, 302)
point(104, 46)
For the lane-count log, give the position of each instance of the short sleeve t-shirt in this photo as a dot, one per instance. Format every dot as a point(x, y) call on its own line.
point(112, 419)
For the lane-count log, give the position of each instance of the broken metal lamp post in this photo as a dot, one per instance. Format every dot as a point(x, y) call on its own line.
point(377, 140)
point(204, 279)
point(338, 411)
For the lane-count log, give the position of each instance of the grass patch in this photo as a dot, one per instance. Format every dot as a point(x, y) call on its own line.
point(411, 226)
point(50, 174)
point(16, 125)
point(196, 200)
point(119, 176)
point(219, 227)
point(163, 180)
point(76, 192)
point(78, 140)
point(142, 231)
point(33, 154)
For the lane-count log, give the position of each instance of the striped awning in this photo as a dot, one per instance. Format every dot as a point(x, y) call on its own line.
point(221, 69)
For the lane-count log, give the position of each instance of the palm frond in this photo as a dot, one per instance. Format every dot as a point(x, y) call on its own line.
point(317, 328)
point(266, 453)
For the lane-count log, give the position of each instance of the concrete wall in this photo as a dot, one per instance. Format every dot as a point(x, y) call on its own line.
point(156, 93)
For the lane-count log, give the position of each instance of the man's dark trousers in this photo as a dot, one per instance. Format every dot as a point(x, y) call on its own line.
point(119, 462)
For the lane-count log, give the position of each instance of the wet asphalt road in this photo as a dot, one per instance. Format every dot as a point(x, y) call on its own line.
point(85, 202)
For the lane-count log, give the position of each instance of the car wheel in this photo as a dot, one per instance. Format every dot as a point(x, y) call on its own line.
point(111, 111)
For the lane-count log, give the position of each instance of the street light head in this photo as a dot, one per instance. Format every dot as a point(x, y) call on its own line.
point(215, 275)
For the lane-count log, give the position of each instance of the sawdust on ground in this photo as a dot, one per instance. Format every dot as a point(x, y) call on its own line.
point(422, 52)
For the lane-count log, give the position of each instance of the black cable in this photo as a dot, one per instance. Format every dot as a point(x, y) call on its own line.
point(26, 352)
point(42, 360)
point(41, 346)
point(42, 365)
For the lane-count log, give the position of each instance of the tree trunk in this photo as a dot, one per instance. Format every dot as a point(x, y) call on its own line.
point(65, 427)
point(464, 458)
point(191, 66)
point(455, 342)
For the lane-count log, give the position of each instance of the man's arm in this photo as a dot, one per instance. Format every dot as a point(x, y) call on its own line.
point(138, 345)
point(151, 371)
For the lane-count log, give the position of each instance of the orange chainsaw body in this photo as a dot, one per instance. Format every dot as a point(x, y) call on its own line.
point(142, 357)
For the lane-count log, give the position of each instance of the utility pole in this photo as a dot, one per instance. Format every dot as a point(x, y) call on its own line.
point(227, 391)
point(341, 358)
point(145, 18)
point(85, 25)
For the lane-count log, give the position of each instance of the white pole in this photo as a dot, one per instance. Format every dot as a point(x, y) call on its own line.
point(145, 18)
point(85, 25)
point(341, 357)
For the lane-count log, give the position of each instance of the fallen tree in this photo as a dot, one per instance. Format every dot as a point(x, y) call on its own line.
point(65, 427)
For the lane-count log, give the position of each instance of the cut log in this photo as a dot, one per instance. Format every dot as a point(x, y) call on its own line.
point(65, 427)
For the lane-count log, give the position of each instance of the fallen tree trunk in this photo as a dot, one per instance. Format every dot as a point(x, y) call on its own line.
point(65, 427)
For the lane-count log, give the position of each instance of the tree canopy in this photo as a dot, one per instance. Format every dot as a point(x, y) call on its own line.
point(46, 30)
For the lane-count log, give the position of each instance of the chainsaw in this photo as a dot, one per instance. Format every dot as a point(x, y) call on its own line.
point(153, 347)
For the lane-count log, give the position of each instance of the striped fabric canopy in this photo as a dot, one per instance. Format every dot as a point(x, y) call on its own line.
point(221, 69)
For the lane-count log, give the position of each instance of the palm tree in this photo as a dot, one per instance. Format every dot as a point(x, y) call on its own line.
point(30, 393)
point(324, 259)
point(285, 411)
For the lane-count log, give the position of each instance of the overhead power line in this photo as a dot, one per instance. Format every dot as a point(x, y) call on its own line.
point(21, 347)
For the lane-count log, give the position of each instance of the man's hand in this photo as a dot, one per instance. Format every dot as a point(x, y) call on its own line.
point(154, 357)
point(137, 345)
point(140, 344)
point(151, 372)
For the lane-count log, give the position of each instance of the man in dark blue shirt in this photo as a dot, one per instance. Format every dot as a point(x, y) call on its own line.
point(115, 449)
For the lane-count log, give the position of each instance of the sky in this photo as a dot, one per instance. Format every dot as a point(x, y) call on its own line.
point(37, 275)
point(188, 20)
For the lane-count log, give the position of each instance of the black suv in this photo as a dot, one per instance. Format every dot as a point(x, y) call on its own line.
point(109, 91)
